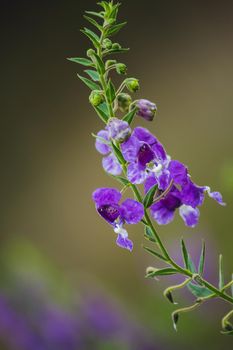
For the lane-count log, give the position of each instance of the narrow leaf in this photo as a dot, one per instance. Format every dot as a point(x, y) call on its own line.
point(221, 275)
point(114, 51)
point(111, 94)
point(202, 260)
point(148, 200)
point(175, 319)
point(96, 14)
point(191, 265)
point(93, 74)
point(115, 28)
point(83, 61)
point(122, 180)
point(103, 116)
point(104, 108)
point(129, 116)
point(149, 234)
point(162, 272)
point(91, 37)
point(99, 64)
point(118, 154)
point(184, 254)
point(151, 251)
point(199, 291)
point(93, 22)
point(89, 83)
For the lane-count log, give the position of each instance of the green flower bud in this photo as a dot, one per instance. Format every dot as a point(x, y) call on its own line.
point(124, 101)
point(116, 46)
point(107, 44)
point(109, 63)
point(121, 68)
point(90, 52)
point(96, 98)
point(132, 84)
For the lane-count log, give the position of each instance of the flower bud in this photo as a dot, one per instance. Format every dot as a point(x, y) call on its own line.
point(121, 68)
point(118, 129)
point(116, 46)
point(90, 52)
point(107, 44)
point(132, 84)
point(96, 98)
point(109, 63)
point(124, 101)
point(146, 109)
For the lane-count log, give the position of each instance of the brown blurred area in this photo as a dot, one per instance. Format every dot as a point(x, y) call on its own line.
point(182, 52)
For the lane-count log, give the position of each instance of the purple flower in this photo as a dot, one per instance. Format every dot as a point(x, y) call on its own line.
point(176, 190)
point(142, 151)
point(129, 212)
point(119, 131)
point(146, 109)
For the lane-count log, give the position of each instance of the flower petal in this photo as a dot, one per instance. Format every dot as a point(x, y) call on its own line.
point(124, 242)
point(190, 215)
point(135, 174)
point(101, 146)
point(192, 194)
point(105, 196)
point(118, 129)
point(161, 214)
point(178, 172)
point(130, 149)
point(111, 165)
point(150, 181)
point(215, 195)
point(131, 211)
point(144, 135)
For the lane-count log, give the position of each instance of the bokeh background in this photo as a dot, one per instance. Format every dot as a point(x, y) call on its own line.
point(182, 52)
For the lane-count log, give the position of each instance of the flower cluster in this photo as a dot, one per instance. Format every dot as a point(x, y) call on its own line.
point(149, 164)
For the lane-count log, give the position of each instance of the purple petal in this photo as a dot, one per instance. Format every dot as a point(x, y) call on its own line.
point(146, 109)
point(105, 196)
point(118, 129)
point(178, 171)
point(150, 181)
point(124, 242)
point(159, 151)
point(130, 149)
point(190, 215)
point(101, 146)
point(163, 179)
point(192, 194)
point(132, 211)
point(135, 174)
point(144, 135)
point(161, 214)
point(111, 165)
point(216, 196)
point(145, 155)
point(110, 212)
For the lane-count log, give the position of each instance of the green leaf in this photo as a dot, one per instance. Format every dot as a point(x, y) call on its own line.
point(114, 11)
point(151, 251)
point(104, 108)
point(191, 265)
point(122, 180)
point(149, 198)
point(149, 234)
point(93, 74)
point(83, 61)
point(227, 332)
point(110, 93)
point(105, 5)
point(99, 64)
point(162, 272)
point(115, 29)
point(92, 36)
point(202, 260)
point(118, 154)
point(93, 22)
point(96, 14)
point(129, 116)
point(199, 291)
point(221, 275)
point(103, 116)
point(89, 83)
point(184, 254)
point(101, 139)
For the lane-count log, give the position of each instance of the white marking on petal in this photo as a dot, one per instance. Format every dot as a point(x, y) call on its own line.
point(120, 230)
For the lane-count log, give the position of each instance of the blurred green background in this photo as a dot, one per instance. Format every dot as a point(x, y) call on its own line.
point(182, 52)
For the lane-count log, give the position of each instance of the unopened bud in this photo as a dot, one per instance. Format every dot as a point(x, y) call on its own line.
point(121, 68)
point(132, 84)
point(124, 101)
point(116, 46)
point(107, 44)
point(109, 63)
point(146, 109)
point(96, 98)
point(118, 130)
point(90, 52)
